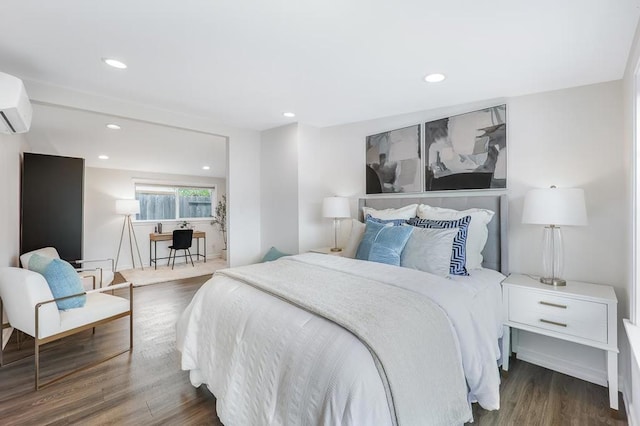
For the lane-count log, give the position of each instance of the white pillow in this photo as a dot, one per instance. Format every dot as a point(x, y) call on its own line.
point(429, 250)
point(357, 231)
point(406, 212)
point(476, 235)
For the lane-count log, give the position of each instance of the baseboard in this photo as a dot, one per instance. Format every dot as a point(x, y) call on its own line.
point(561, 365)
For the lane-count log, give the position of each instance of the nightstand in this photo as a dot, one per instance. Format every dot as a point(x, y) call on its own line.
point(579, 312)
point(326, 250)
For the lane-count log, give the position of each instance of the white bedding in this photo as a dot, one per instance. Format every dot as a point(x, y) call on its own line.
point(268, 362)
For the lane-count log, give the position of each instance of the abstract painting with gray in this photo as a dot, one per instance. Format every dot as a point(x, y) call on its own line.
point(393, 161)
point(467, 151)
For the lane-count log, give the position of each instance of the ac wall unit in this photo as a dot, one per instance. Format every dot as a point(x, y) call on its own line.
point(15, 108)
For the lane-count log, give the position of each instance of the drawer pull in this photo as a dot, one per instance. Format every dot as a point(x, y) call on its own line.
point(555, 305)
point(553, 322)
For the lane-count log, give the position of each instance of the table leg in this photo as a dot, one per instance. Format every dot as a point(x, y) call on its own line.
point(506, 347)
point(205, 248)
point(155, 255)
point(612, 376)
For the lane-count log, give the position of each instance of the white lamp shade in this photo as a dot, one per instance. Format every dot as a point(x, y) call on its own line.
point(127, 207)
point(555, 206)
point(336, 207)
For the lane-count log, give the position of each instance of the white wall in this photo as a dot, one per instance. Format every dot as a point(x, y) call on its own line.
point(243, 159)
point(11, 148)
point(569, 137)
point(102, 227)
point(279, 189)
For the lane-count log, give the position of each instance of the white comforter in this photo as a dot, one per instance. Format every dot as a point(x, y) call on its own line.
point(269, 362)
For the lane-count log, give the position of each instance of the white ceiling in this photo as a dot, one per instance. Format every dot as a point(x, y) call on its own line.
point(137, 145)
point(243, 63)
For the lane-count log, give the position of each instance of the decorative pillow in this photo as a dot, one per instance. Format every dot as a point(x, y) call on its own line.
point(477, 234)
point(394, 222)
point(62, 278)
point(371, 231)
point(357, 231)
point(429, 250)
point(273, 254)
point(406, 212)
point(389, 243)
point(458, 252)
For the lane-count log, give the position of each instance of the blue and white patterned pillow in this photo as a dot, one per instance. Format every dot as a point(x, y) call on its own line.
point(458, 251)
point(394, 222)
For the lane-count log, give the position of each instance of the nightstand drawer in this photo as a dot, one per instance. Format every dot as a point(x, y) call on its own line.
point(580, 318)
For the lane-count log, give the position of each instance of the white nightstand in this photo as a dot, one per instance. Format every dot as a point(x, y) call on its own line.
point(326, 250)
point(579, 312)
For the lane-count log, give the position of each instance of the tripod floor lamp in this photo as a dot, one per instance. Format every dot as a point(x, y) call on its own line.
point(128, 208)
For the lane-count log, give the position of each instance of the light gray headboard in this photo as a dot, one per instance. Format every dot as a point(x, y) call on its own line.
point(496, 250)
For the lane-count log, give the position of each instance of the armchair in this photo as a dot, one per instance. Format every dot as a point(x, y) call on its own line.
point(90, 275)
point(30, 307)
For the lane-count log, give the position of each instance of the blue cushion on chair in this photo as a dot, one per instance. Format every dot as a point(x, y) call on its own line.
point(62, 278)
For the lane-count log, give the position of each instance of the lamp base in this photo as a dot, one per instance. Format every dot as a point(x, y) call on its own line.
point(335, 249)
point(556, 282)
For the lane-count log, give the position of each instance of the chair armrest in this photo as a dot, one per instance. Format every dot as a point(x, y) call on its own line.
point(89, 269)
point(81, 261)
point(112, 287)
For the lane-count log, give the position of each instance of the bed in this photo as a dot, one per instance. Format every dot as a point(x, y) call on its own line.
point(316, 339)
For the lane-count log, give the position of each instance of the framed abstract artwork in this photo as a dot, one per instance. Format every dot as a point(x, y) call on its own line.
point(393, 161)
point(467, 151)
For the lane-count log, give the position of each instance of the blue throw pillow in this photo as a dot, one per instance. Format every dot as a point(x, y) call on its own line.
point(389, 243)
point(459, 249)
point(370, 233)
point(62, 278)
point(394, 222)
point(273, 254)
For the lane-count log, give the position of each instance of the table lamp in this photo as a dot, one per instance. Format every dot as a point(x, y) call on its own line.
point(335, 208)
point(128, 208)
point(554, 207)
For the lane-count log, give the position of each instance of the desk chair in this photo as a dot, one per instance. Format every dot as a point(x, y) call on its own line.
point(182, 240)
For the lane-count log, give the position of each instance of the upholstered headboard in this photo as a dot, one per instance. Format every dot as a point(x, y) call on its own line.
point(495, 252)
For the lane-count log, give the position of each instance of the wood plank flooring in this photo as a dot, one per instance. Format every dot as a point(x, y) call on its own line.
point(147, 387)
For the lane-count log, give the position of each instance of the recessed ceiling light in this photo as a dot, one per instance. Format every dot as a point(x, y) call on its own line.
point(288, 114)
point(434, 78)
point(113, 126)
point(206, 167)
point(114, 63)
point(103, 157)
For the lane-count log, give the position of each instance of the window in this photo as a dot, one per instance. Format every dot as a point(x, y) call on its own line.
point(168, 202)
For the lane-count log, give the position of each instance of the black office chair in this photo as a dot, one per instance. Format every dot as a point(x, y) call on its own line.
point(182, 239)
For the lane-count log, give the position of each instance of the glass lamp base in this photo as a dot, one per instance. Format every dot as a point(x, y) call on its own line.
point(558, 282)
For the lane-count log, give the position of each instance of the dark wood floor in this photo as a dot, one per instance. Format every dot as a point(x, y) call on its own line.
point(148, 387)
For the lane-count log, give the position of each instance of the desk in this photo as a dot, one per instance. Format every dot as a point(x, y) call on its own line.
point(168, 236)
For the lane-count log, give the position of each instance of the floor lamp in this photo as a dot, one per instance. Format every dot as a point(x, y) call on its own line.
point(554, 207)
point(128, 208)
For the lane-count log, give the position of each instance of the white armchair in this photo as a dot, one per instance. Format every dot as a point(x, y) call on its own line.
point(30, 307)
point(98, 275)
